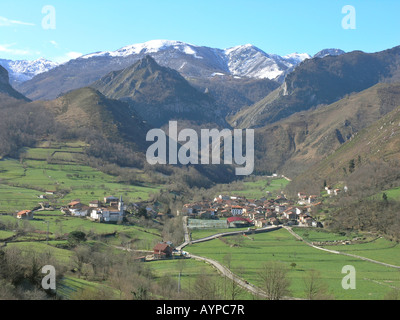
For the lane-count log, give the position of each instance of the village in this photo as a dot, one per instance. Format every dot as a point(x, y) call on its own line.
point(241, 212)
point(229, 211)
point(238, 211)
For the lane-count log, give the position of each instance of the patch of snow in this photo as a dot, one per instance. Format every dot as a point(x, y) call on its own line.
point(24, 70)
point(148, 47)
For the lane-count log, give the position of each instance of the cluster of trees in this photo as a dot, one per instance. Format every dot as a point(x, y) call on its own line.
point(21, 274)
point(21, 124)
point(380, 216)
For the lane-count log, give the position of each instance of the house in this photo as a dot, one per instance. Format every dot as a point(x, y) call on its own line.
point(224, 213)
point(74, 204)
point(108, 200)
point(238, 222)
point(303, 217)
point(274, 221)
point(290, 214)
point(25, 215)
point(270, 214)
point(308, 221)
point(162, 250)
point(261, 223)
point(302, 196)
point(237, 210)
point(76, 208)
point(316, 224)
point(328, 190)
point(280, 209)
point(187, 209)
point(280, 199)
point(94, 204)
point(224, 198)
point(336, 191)
point(108, 214)
point(80, 211)
point(312, 199)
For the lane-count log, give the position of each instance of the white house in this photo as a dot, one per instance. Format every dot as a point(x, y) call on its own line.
point(109, 214)
point(237, 210)
point(79, 211)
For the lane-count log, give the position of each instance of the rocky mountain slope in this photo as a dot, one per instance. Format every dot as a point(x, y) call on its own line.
point(296, 143)
point(321, 81)
point(6, 88)
point(159, 94)
point(187, 59)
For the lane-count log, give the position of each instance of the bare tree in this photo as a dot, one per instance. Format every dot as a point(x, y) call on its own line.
point(314, 287)
point(275, 281)
point(206, 287)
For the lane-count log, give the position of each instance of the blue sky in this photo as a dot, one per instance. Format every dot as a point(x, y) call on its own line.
point(279, 27)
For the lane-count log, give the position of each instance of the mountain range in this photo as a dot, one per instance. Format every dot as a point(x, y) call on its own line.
point(159, 94)
point(188, 60)
point(304, 109)
point(24, 70)
point(321, 81)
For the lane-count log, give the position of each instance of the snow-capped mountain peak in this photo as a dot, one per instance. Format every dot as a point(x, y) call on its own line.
point(153, 46)
point(23, 70)
point(297, 57)
point(329, 52)
point(250, 61)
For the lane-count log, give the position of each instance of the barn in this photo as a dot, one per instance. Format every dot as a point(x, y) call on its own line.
point(238, 222)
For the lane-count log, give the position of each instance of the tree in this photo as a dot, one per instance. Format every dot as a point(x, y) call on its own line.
point(352, 165)
point(314, 287)
point(142, 212)
point(140, 294)
point(275, 282)
point(76, 237)
point(206, 287)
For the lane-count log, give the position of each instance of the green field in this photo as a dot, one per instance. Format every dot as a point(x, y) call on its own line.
point(380, 250)
point(69, 286)
point(191, 269)
point(392, 194)
point(139, 237)
point(373, 281)
point(316, 234)
point(61, 255)
point(21, 182)
point(5, 235)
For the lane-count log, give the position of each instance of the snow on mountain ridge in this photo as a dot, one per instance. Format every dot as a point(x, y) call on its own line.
point(148, 47)
point(250, 61)
point(243, 60)
point(23, 70)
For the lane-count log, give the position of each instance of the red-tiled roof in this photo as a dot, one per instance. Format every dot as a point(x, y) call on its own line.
point(23, 212)
point(232, 219)
point(161, 247)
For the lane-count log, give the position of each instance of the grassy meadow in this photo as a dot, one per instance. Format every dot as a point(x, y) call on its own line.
point(373, 281)
point(59, 169)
